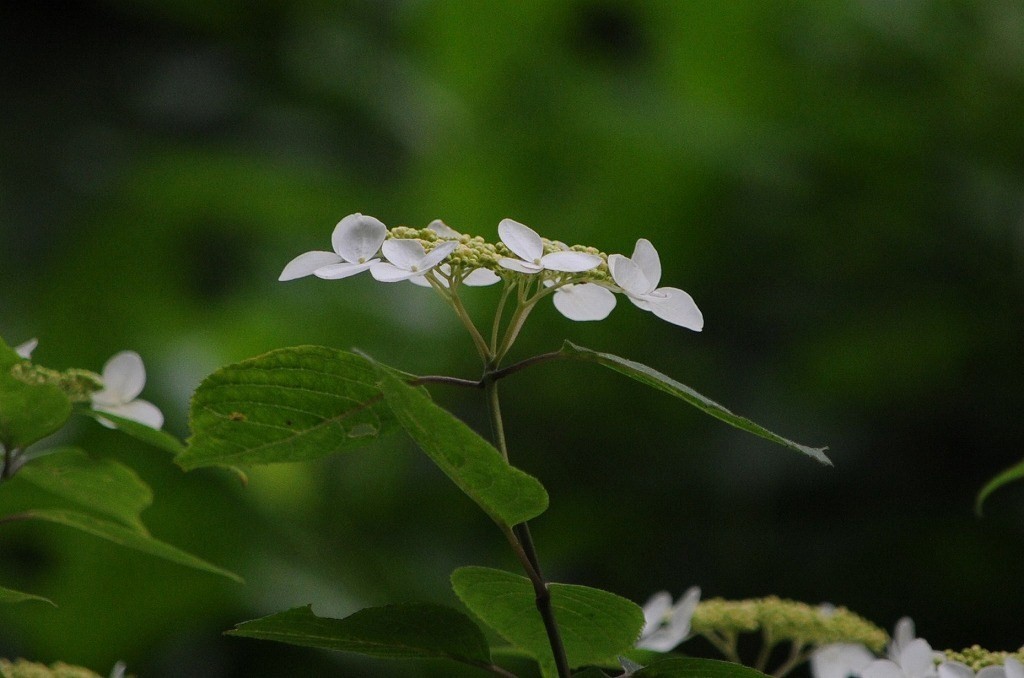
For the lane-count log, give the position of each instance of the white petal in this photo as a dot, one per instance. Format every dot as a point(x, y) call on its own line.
point(305, 264)
point(882, 668)
point(570, 262)
point(443, 230)
point(141, 411)
point(385, 272)
point(686, 605)
point(124, 376)
point(343, 270)
point(664, 639)
point(951, 669)
point(437, 255)
point(628, 275)
point(519, 265)
point(584, 302)
point(646, 257)
point(1013, 667)
point(993, 672)
point(358, 238)
point(521, 239)
point(677, 307)
point(916, 659)
point(840, 660)
point(655, 609)
point(481, 277)
point(902, 635)
point(25, 350)
point(405, 254)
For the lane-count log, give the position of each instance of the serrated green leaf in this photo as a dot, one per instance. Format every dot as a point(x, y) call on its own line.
point(693, 667)
point(654, 379)
point(595, 625)
point(292, 404)
point(126, 536)
point(1011, 474)
point(28, 412)
point(104, 486)
point(12, 596)
point(393, 631)
point(509, 496)
point(157, 438)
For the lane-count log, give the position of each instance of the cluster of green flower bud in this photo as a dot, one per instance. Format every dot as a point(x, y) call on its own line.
point(473, 251)
point(75, 383)
point(26, 669)
point(977, 657)
point(781, 620)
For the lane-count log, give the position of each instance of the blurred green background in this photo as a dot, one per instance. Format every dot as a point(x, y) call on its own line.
point(839, 185)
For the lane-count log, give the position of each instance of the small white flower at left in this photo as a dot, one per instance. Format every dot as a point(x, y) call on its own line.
point(124, 376)
point(407, 259)
point(356, 239)
point(25, 350)
point(667, 625)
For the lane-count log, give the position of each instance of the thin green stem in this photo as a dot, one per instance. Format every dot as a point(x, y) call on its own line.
point(452, 298)
point(726, 644)
point(767, 643)
point(522, 544)
point(496, 326)
point(796, 657)
point(10, 462)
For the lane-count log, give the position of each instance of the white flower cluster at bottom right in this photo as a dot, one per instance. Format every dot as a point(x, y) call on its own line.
point(908, 657)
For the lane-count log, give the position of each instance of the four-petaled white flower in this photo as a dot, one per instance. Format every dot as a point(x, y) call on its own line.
point(124, 375)
point(914, 660)
point(638, 276)
point(665, 625)
point(407, 259)
point(584, 301)
point(25, 350)
point(527, 245)
point(356, 240)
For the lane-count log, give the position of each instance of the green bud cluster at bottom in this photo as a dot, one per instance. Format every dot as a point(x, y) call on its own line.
point(77, 384)
point(978, 657)
point(781, 620)
point(26, 669)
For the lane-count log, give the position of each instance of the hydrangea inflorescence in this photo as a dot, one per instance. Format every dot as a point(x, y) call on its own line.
point(581, 280)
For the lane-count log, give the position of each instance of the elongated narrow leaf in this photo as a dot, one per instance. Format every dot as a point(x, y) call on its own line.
point(595, 625)
point(128, 537)
point(28, 411)
point(693, 667)
point(509, 496)
point(291, 404)
point(1008, 476)
point(100, 485)
point(151, 436)
point(393, 631)
point(12, 596)
point(655, 379)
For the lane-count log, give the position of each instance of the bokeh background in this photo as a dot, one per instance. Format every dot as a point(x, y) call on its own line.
point(840, 186)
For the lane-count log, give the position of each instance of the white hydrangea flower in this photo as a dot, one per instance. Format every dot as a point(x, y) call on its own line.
point(584, 301)
point(356, 240)
point(407, 259)
point(124, 376)
point(527, 245)
point(638, 276)
point(667, 625)
point(478, 277)
point(25, 350)
point(840, 660)
point(914, 660)
point(902, 635)
point(1013, 668)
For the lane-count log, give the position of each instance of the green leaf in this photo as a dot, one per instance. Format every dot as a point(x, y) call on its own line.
point(28, 412)
point(291, 404)
point(126, 536)
point(101, 485)
point(509, 496)
point(151, 436)
point(595, 625)
point(692, 667)
point(12, 596)
point(1008, 476)
point(392, 631)
point(657, 380)
point(592, 672)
